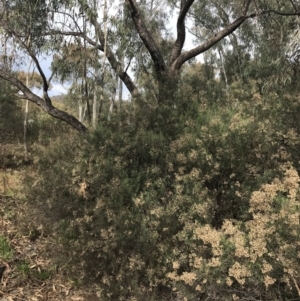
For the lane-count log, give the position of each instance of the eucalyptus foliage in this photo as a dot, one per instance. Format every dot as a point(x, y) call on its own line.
point(137, 42)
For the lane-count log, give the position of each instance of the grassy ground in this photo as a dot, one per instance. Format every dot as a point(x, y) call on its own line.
point(28, 255)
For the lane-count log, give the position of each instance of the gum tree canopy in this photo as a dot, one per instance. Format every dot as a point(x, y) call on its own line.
point(134, 35)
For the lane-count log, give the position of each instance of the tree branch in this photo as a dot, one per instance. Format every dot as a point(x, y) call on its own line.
point(276, 12)
point(45, 82)
point(75, 34)
point(115, 64)
point(185, 56)
point(178, 45)
point(146, 37)
point(293, 4)
point(34, 58)
point(246, 6)
point(45, 105)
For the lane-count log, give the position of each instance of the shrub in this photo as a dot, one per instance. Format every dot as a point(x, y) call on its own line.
point(260, 256)
point(189, 212)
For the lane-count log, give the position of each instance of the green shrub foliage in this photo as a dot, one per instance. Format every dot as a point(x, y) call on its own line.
point(197, 203)
point(11, 124)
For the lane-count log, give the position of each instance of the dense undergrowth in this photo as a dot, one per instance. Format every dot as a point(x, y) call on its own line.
point(199, 203)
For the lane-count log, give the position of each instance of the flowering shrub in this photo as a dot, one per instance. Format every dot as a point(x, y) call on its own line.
point(207, 209)
point(263, 250)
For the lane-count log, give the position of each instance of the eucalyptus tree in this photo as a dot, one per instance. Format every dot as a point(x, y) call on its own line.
point(76, 64)
point(42, 27)
point(23, 25)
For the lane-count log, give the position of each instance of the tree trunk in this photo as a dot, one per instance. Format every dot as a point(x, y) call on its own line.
point(80, 105)
point(168, 83)
point(95, 105)
point(25, 130)
point(26, 116)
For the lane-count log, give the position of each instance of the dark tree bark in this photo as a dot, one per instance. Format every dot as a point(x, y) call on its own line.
point(168, 74)
point(44, 104)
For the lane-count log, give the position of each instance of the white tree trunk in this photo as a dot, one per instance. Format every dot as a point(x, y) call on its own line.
point(80, 104)
point(95, 98)
point(95, 107)
point(26, 117)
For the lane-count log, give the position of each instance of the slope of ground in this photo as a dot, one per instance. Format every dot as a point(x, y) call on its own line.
point(27, 269)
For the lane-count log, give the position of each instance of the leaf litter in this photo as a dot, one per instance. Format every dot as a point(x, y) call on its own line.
point(28, 269)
